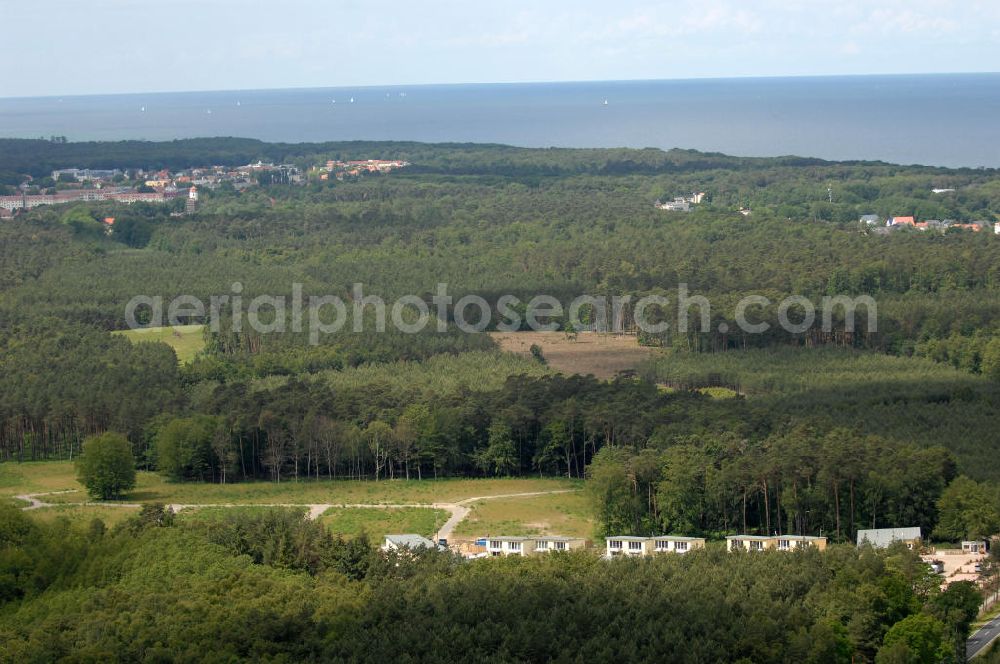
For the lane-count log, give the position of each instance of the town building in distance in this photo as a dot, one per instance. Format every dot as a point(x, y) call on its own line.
point(876, 225)
point(681, 203)
point(140, 186)
point(341, 169)
point(26, 201)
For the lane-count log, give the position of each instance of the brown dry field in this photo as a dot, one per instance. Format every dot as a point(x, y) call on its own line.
point(602, 355)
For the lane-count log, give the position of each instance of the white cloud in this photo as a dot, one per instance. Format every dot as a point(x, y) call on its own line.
point(268, 43)
point(907, 21)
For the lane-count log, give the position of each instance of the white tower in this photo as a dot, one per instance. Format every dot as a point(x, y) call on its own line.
point(192, 202)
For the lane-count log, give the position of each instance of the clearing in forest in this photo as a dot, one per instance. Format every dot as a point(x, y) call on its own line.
point(51, 476)
point(566, 514)
point(377, 523)
point(603, 355)
point(186, 340)
point(347, 507)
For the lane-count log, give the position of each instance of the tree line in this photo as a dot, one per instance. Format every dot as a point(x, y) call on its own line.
point(273, 585)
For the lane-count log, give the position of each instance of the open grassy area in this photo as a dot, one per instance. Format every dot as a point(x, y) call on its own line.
point(186, 340)
point(714, 392)
point(111, 516)
point(378, 522)
point(557, 514)
point(37, 477)
point(602, 355)
point(209, 514)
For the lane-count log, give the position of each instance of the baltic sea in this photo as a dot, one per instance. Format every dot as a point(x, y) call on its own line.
point(943, 120)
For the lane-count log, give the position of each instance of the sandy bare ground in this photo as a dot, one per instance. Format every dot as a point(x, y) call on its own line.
point(603, 355)
point(457, 511)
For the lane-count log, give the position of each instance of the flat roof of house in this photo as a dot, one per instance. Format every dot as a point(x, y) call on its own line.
point(678, 538)
point(628, 538)
point(801, 538)
point(750, 537)
point(886, 536)
point(556, 538)
point(411, 541)
point(509, 538)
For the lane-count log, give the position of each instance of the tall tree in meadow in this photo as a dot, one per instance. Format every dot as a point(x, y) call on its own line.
point(106, 466)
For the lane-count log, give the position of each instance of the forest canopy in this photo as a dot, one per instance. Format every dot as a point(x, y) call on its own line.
point(491, 220)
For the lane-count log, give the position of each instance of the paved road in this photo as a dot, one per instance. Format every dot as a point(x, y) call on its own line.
point(979, 642)
point(457, 511)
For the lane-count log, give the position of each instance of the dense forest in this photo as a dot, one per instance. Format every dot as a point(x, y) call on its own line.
point(920, 385)
point(276, 586)
point(717, 431)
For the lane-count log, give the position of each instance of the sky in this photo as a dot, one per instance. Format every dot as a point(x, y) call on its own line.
point(65, 47)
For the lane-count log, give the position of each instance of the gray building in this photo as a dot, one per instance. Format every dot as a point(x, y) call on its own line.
point(880, 538)
point(410, 542)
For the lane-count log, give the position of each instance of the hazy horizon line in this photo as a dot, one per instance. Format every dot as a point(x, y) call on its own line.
point(383, 86)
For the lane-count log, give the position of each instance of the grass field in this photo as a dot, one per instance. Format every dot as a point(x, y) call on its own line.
point(36, 477)
point(111, 516)
point(349, 522)
point(714, 392)
point(377, 523)
point(43, 476)
point(558, 514)
point(604, 356)
point(186, 340)
point(207, 514)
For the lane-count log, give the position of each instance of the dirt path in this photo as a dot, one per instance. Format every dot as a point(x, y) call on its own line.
point(457, 511)
point(35, 503)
